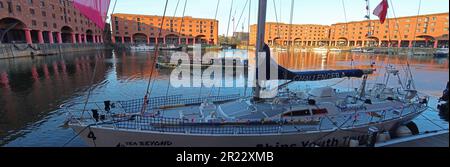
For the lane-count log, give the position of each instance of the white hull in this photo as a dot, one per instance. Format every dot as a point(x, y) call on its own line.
point(132, 138)
point(142, 48)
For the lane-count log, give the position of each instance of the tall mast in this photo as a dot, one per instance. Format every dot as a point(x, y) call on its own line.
point(260, 33)
point(369, 25)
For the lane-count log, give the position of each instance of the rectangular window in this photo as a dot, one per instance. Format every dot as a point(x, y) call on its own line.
point(18, 8)
point(32, 12)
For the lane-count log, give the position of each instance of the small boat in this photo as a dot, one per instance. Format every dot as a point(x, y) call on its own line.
point(335, 50)
point(280, 49)
point(357, 50)
point(300, 50)
point(142, 48)
point(369, 51)
point(441, 52)
point(320, 50)
point(172, 47)
point(228, 62)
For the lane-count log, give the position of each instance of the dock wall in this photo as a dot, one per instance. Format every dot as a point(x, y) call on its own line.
point(26, 50)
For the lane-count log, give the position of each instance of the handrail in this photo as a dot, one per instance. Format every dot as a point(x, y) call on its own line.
point(176, 125)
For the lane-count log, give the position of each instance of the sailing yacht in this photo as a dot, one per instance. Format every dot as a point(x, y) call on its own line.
point(322, 117)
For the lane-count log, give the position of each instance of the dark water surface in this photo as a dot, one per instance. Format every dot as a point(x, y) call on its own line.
point(31, 90)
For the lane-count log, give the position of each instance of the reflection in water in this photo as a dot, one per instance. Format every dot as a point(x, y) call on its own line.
point(35, 87)
point(32, 89)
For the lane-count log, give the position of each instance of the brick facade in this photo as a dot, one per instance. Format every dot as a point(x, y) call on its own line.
point(144, 29)
point(46, 21)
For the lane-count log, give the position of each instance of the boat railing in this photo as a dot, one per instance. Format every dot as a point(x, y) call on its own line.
point(306, 124)
point(126, 116)
point(83, 111)
point(174, 125)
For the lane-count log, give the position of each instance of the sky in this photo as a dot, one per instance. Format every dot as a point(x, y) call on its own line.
point(325, 12)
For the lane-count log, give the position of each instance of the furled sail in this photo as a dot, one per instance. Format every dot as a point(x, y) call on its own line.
point(285, 74)
point(95, 10)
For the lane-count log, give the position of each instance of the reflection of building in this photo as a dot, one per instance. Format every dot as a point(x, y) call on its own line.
point(297, 34)
point(49, 21)
point(421, 31)
point(130, 28)
point(30, 88)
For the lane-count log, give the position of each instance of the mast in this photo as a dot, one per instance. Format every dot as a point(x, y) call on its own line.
point(260, 33)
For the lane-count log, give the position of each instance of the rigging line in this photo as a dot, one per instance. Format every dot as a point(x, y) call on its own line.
point(248, 44)
point(279, 12)
point(176, 8)
point(91, 88)
point(242, 13)
point(345, 17)
point(431, 121)
point(217, 9)
point(182, 17)
point(276, 18)
point(174, 14)
point(229, 20)
point(114, 9)
point(179, 33)
point(416, 26)
point(148, 92)
point(290, 25)
point(408, 69)
point(232, 38)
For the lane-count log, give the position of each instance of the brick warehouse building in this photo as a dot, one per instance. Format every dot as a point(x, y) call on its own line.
point(144, 29)
point(298, 34)
point(431, 31)
point(45, 21)
point(422, 31)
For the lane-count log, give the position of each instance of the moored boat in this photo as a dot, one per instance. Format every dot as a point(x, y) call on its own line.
point(441, 52)
point(356, 50)
point(322, 116)
point(142, 47)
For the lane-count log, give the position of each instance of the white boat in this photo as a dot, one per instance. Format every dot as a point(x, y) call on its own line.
point(368, 51)
point(171, 47)
point(335, 50)
point(320, 50)
point(322, 117)
point(441, 52)
point(357, 50)
point(279, 49)
point(227, 62)
point(142, 48)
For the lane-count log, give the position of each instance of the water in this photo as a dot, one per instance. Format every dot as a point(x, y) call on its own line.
point(31, 90)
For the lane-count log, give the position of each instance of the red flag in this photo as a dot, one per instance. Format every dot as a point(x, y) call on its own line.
point(381, 10)
point(95, 10)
